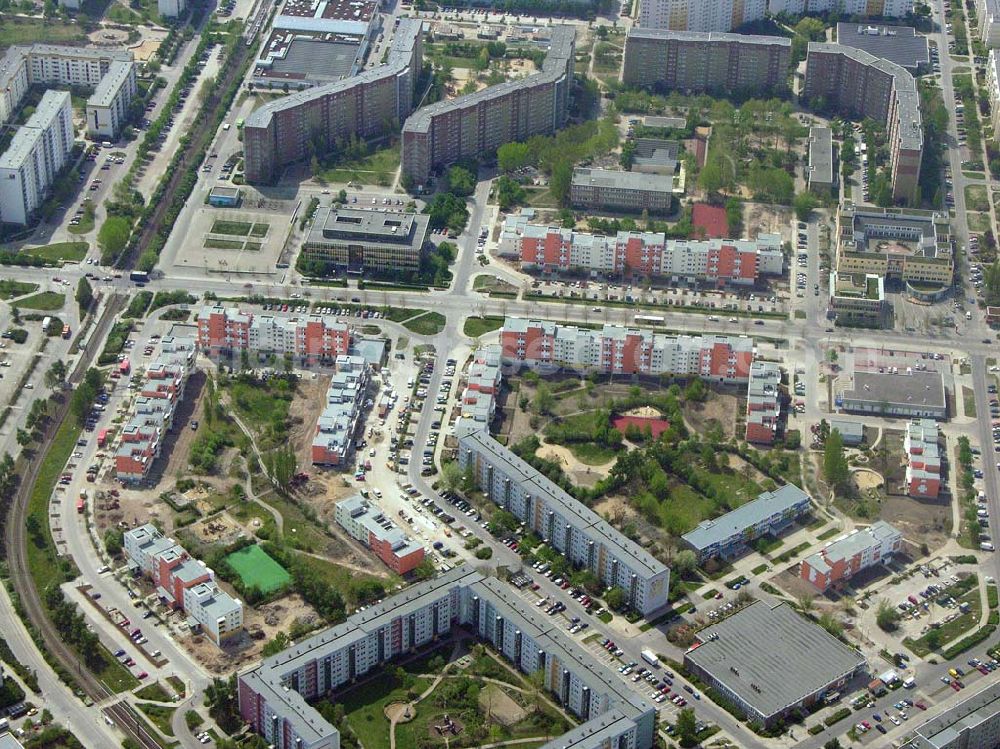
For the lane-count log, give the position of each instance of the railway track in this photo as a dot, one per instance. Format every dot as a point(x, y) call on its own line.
point(17, 551)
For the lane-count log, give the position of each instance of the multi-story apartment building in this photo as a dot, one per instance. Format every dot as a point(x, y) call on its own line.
point(367, 524)
point(856, 83)
point(478, 401)
point(111, 73)
point(923, 459)
point(763, 416)
point(858, 299)
point(619, 350)
point(367, 241)
point(569, 527)
point(370, 104)
point(731, 534)
point(843, 558)
point(706, 61)
point(476, 124)
point(988, 12)
point(162, 390)
point(342, 411)
point(184, 583)
point(625, 192)
point(993, 90)
point(273, 696)
point(699, 15)
point(718, 262)
point(869, 8)
point(171, 8)
point(903, 245)
point(311, 339)
point(974, 722)
point(37, 153)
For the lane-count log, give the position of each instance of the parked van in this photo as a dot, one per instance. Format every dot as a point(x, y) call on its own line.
point(986, 546)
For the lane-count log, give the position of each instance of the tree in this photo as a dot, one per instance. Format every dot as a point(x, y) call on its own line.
point(512, 156)
point(275, 645)
point(282, 466)
point(832, 744)
point(991, 279)
point(804, 204)
point(559, 182)
point(56, 374)
point(886, 616)
point(113, 235)
point(453, 478)
point(687, 733)
point(835, 468)
point(461, 181)
point(424, 570)
point(544, 399)
point(615, 598)
point(114, 541)
point(23, 437)
point(509, 193)
point(685, 562)
point(84, 296)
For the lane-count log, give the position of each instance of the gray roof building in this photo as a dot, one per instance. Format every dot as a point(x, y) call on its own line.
point(916, 393)
point(899, 44)
point(820, 158)
point(972, 723)
point(853, 432)
point(738, 656)
point(358, 240)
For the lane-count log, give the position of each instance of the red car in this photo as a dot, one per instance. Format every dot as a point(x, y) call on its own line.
point(141, 675)
point(921, 705)
point(956, 685)
point(534, 586)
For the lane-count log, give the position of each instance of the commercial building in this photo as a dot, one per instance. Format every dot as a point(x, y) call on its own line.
point(343, 411)
point(718, 262)
point(988, 12)
point(615, 349)
point(858, 299)
point(358, 241)
point(731, 534)
point(915, 247)
point(848, 555)
point(476, 124)
point(37, 153)
point(821, 176)
point(856, 83)
point(900, 394)
point(624, 192)
point(370, 104)
point(737, 657)
point(141, 439)
point(972, 723)
point(366, 524)
point(698, 60)
point(923, 459)
point(899, 44)
point(272, 696)
point(184, 583)
point(587, 541)
point(763, 418)
point(312, 339)
point(111, 73)
point(699, 15)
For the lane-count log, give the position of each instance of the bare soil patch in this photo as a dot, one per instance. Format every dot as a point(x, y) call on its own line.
point(580, 473)
point(719, 408)
point(497, 704)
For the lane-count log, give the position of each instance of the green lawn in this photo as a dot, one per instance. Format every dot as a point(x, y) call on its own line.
point(975, 198)
point(235, 228)
point(47, 301)
point(591, 453)
point(376, 168)
point(257, 569)
point(398, 314)
point(10, 288)
point(161, 715)
point(211, 243)
point(86, 224)
point(828, 533)
point(259, 230)
point(364, 709)
point(345, 580)
point(430, 323)
point(154, 692)
point(978, 222)
point(969, 401)
point(949, 631)
point(19, 30)
point(477, 326)
point(69, 252)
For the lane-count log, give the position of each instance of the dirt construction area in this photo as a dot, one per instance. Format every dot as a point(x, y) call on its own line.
point(719, 408)
point(496, 703)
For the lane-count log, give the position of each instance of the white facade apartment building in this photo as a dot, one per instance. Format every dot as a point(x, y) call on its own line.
point(993, 90)
point(216, 613)
point(873, 8)
point(111, 73)
point(988, 12)
point(37, 153)
point(699, 15)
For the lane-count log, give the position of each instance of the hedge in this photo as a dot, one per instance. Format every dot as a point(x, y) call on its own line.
point(842, 713)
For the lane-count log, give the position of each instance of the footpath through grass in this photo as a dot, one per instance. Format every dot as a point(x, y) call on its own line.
point(46, 301)
point(430, 323)
point(10, 288)
point(68, 252)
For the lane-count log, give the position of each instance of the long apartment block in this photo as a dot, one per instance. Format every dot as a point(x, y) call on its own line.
point(152, 416)
point(368, 105)
point(615, 349)
point(727, 15)
point(228, 331)
point(706, 61)
point(273, 696)
point(551, 249)
point(184, 583)
point(858, 84)
point(572, 529)
point(343, 411)
point(370, 526)
point(37, 153)
point(111, 73)
point(470, 126)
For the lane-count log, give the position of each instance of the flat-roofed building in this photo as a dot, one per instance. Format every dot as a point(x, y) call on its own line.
point(763, 417)
point(821, 175)
point(476, 124)
point(988, 12)
point(624, 192)
point(656, 156)
point(861, 8)
point(899, 394)
point(852, 432)
point(906, 245)
point(108, 106)
point(923, 459)
point(37, 153)
point(737, 656)
point(993, 90)
point(731, 534)
point(858, 299)
point(971, 724)
point(854, 82)
point(899, 44)
point(343, 412)
point(228, 331)
point(367, 524)
point(706, 61)
point(360, 241)
point(699, 15)
point(844, 557)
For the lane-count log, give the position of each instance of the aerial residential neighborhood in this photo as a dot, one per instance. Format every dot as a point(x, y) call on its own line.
point(577, 374)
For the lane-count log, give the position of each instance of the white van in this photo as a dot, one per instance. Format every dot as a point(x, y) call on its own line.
point(986, 546)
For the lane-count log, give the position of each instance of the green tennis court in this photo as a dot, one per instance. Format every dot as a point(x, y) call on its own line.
point(257, 570)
